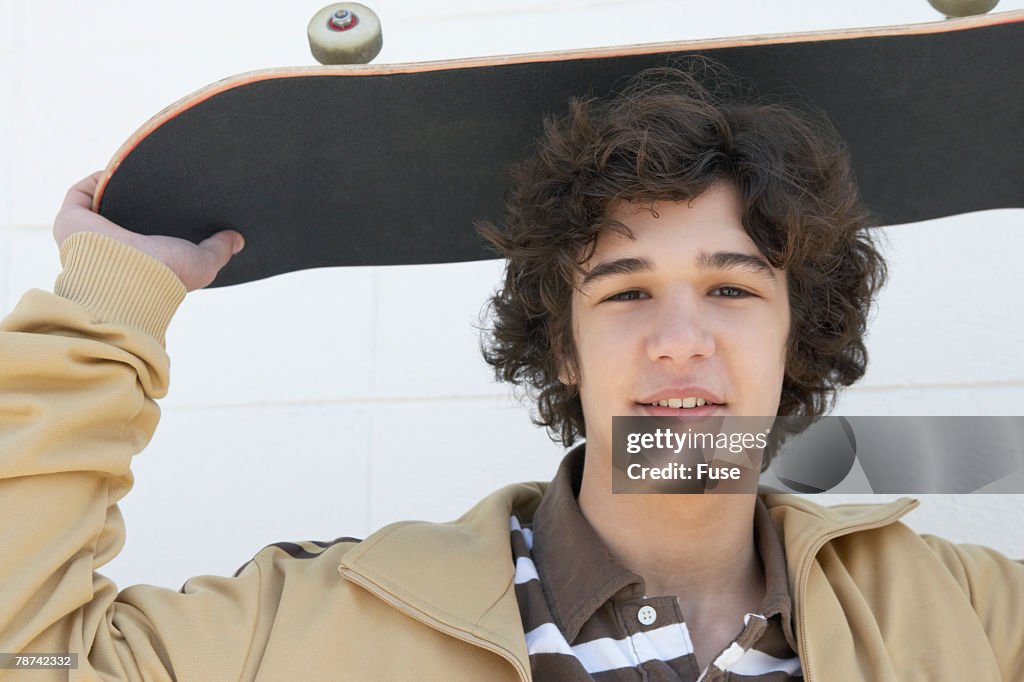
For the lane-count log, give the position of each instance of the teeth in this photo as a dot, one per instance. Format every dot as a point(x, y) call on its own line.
point(685, 403)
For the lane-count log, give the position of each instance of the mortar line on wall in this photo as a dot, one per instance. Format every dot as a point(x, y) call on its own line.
point(375, 326)
point(336, 402)
point(18, 45)
point(1010, 383)
point(528, 10)
point(26, 227)
point(5, 278)
point(512, 400)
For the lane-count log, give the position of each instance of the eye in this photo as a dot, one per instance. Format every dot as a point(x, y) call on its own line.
point(631, 295)
point(731, 292)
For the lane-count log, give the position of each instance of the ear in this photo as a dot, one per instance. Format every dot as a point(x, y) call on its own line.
point(562, 343)
point(567, 375)
point(568, 372)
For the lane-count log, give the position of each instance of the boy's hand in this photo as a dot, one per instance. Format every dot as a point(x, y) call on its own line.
point(195, 265)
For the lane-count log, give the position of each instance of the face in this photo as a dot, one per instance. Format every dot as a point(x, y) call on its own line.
point(688, 312)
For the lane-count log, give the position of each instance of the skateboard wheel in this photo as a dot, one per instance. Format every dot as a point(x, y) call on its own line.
point(345, 33)
point(963, 8)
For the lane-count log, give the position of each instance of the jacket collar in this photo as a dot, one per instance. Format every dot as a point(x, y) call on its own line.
point(459, 575)
point(806, 526)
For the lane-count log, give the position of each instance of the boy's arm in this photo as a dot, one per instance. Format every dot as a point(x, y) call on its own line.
point(79, 372)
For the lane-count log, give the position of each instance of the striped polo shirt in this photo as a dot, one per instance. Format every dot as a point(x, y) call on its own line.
point(586, 616)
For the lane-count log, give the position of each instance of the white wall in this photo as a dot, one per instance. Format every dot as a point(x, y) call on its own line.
point(283, 424)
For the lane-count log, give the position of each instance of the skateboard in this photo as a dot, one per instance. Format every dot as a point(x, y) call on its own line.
point(395, 164)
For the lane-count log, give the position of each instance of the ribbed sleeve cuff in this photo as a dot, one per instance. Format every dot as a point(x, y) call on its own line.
point(118, 283)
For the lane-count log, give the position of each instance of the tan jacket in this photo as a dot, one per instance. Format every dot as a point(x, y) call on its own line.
point(79, 373)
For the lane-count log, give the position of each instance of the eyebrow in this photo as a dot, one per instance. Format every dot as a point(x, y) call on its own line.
point(622, 266)
point(720, 260)
point(732, 260)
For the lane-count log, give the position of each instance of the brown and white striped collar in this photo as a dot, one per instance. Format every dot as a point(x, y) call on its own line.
point(579, 574)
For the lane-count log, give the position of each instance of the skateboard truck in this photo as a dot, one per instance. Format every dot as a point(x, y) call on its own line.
point(343, 20)
point(963, 8)
point(345, 33)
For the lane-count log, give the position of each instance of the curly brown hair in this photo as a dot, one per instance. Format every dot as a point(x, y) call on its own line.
point(670, 134)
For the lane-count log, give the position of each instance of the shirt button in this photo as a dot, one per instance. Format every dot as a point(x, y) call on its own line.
point(646, 615)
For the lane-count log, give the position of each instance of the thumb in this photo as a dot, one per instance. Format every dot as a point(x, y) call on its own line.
point(219, 248)
point(214, 253)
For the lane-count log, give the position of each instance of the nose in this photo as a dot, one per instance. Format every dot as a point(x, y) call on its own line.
point(680, 330)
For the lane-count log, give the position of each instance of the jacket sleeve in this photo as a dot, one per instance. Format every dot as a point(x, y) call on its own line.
point(79, 372)
point(995, 585)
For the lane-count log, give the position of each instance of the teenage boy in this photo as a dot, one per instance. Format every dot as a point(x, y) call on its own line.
point(672, 251)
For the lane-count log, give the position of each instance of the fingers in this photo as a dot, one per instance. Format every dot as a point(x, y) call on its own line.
point(81, 192)
point(76, 212)
point(195, 265)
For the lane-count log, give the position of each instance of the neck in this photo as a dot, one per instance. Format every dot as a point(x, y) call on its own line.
point(699, 548)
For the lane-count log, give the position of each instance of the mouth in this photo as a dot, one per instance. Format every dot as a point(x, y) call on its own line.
point(681, 405)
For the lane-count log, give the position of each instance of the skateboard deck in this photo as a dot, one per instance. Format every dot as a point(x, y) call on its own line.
point(394, 164)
